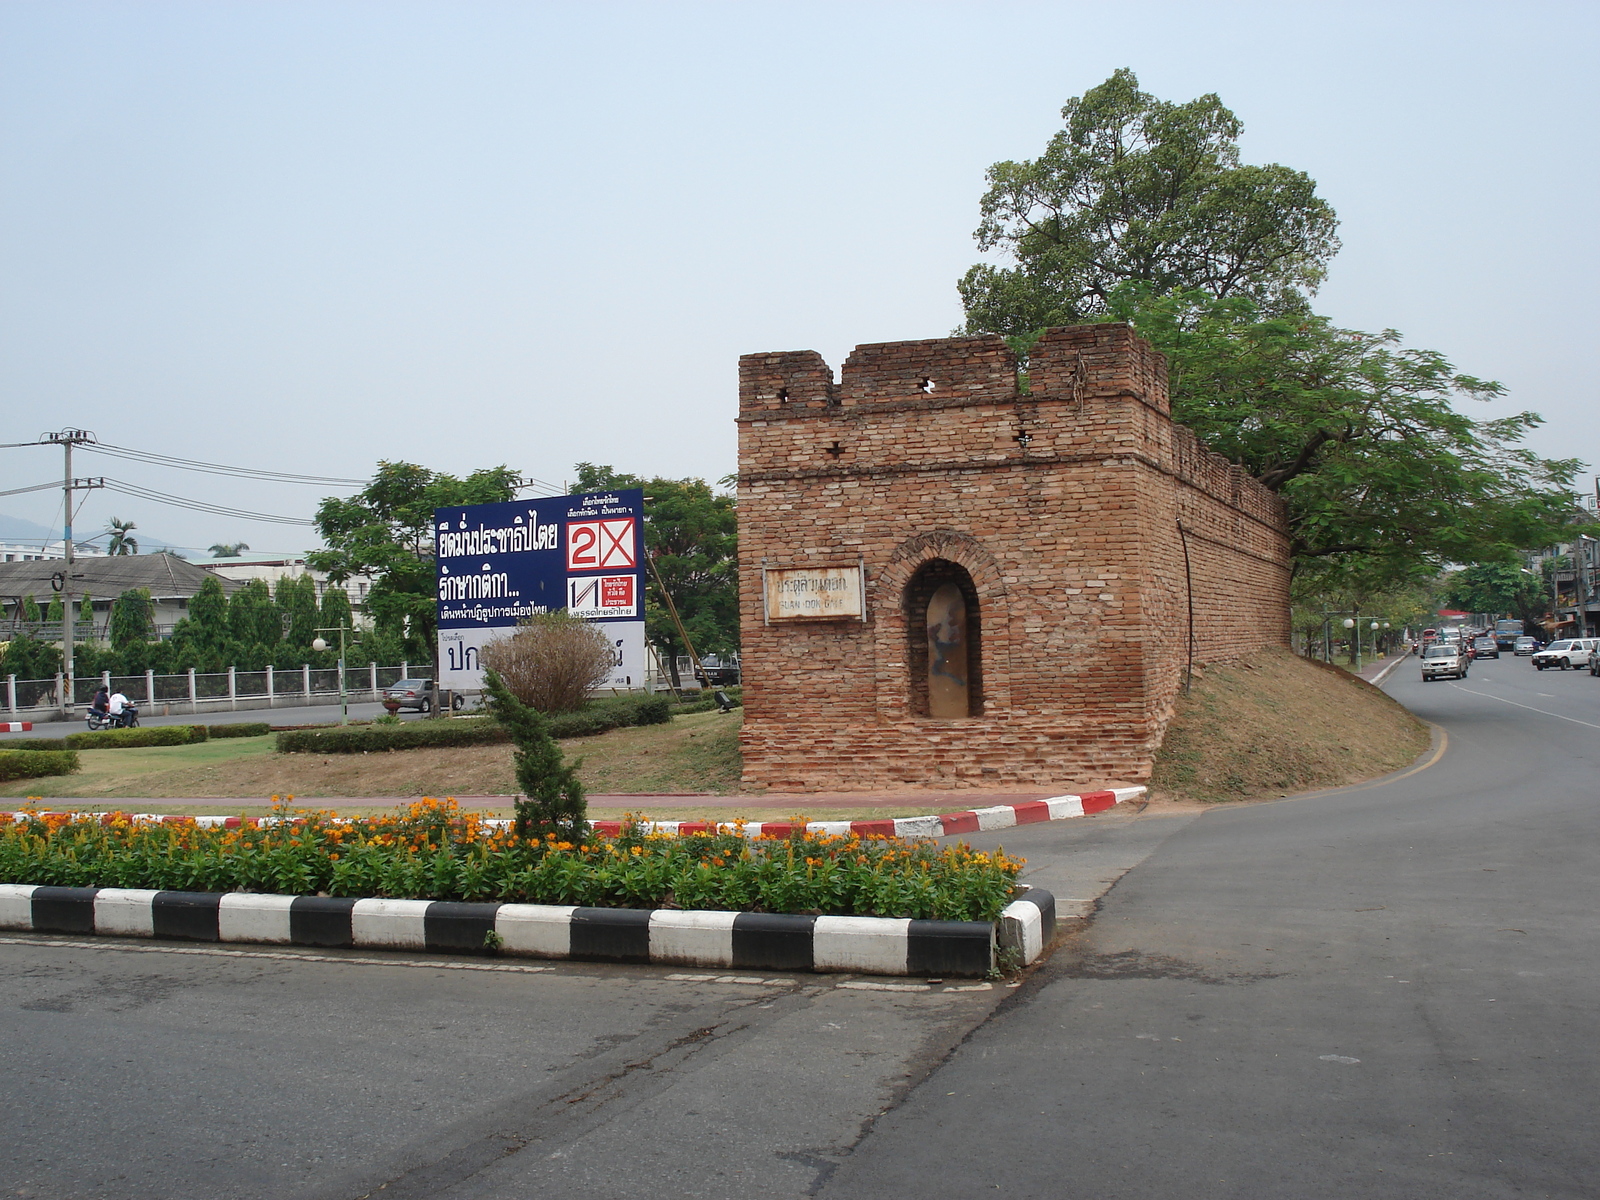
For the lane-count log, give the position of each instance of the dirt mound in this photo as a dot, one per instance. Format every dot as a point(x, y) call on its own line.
point(1275, 724)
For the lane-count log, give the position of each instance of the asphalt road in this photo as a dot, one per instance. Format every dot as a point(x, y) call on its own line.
point(1384, 992)
point(1389, 991)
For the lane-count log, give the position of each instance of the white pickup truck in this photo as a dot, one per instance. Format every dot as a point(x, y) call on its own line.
point(1566, 653)
point(1444, 658)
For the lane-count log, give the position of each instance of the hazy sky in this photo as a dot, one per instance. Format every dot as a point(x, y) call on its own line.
point(306, 237)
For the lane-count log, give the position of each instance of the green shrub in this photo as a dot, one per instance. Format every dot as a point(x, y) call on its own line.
point(59, 743)
point(599, 717)
point(700, 706)
point(124, 739)
point(243, 729)
point(356, 739)
point(614, 712)
point(30, 764)
point(578, 724)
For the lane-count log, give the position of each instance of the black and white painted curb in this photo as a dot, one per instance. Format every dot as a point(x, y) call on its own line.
point(761, 941)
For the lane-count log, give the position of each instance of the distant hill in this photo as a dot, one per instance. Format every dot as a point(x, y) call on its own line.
point(19, 529)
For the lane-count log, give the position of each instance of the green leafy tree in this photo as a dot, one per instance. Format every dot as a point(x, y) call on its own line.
point(56, 611)
point(1136, 189)
point(1499, 588)
point(386, 532)
point(691, 534)
point(253, 618)
point(552, 799)
point(132, 620)
point(335, 612)
point(1380, 473)
point(30, 609)
point(29, 658)
point(203, 637)
point(297, 609)
point(227, 549)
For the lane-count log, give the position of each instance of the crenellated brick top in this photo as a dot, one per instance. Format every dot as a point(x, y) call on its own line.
point(1070, 363)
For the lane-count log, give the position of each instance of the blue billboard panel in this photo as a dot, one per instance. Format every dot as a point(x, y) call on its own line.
point(498, 564)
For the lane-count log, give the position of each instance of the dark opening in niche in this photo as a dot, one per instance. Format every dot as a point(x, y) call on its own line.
point(944, 641)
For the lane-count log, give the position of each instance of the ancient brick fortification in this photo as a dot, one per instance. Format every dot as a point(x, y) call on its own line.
point(1056, 511)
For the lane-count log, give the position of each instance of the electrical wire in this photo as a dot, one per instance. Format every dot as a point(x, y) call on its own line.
point(38, 487)
point(189, 464)
point(144, 493)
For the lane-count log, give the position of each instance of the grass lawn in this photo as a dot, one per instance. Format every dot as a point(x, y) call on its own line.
point(695, 753)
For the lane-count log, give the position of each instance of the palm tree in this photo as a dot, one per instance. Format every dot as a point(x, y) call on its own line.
point(121, 540)
point(228, 549)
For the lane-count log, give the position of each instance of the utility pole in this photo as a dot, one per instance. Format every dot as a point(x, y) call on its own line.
point(67, 439)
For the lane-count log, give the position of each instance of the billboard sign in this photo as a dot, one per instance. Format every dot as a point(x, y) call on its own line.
point(498, 564)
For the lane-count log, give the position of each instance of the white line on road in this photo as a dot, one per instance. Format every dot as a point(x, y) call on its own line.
point(1529, 707)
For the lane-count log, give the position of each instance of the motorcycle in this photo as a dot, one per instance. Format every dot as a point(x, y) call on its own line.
point(127, 719)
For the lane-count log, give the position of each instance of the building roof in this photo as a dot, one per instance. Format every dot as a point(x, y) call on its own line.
point(167, 576)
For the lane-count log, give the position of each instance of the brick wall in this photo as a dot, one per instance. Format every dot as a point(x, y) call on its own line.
point(1063, 505)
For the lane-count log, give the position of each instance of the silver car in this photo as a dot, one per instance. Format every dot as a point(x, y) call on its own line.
point(417, 694)
point(1444, 658)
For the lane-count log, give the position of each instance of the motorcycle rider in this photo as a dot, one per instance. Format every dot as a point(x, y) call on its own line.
point(118, 706)
point(101, 702)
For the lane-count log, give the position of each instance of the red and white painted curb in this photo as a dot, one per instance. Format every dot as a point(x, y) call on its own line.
point(16, 726)
point(977, 820)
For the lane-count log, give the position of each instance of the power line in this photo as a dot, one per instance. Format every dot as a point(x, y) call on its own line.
point(151, 458)
point(190, 464)
point(144, 493)
point(38, 487)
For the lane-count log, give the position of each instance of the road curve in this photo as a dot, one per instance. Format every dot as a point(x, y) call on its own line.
point(1380, 991)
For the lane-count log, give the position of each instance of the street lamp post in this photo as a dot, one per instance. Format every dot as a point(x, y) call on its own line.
point(1355, 642)
point(320, 645)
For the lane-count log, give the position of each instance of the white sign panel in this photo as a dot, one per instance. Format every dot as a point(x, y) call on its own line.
point(814, 594)
point(592, 596)
point(460, 668)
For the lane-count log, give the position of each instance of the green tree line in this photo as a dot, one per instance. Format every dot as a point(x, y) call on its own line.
point(254, 628)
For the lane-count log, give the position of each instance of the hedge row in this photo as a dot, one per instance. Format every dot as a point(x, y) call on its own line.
point(699, 706)
point(357, 739)
point(125, 739)
point(617, 713)
point(242, 729)
point(600, 716)
point(31, 764)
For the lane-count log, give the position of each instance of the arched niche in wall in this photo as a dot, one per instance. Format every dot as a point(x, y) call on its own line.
point(944, 641)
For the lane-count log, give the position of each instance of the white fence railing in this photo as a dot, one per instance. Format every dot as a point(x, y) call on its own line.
point(210, 691)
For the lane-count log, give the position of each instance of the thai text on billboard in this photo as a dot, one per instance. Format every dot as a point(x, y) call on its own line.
point(499, 564)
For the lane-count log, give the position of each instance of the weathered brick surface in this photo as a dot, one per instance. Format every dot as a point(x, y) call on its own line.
point(1063, 504)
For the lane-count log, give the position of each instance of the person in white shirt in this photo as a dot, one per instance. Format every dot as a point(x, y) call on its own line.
point(118, 703)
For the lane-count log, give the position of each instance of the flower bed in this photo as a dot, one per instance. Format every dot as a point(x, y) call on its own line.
point(434, 851)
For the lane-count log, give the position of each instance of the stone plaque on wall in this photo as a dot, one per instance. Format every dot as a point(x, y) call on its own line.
point(814, 594)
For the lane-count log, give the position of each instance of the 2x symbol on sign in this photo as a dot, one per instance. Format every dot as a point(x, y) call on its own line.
point(601, 545)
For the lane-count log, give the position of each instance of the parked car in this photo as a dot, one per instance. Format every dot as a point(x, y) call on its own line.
point(1444, 658)
point(1566, 653)
point(1485, 647)
point(1525, 646)
point(417, 694)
